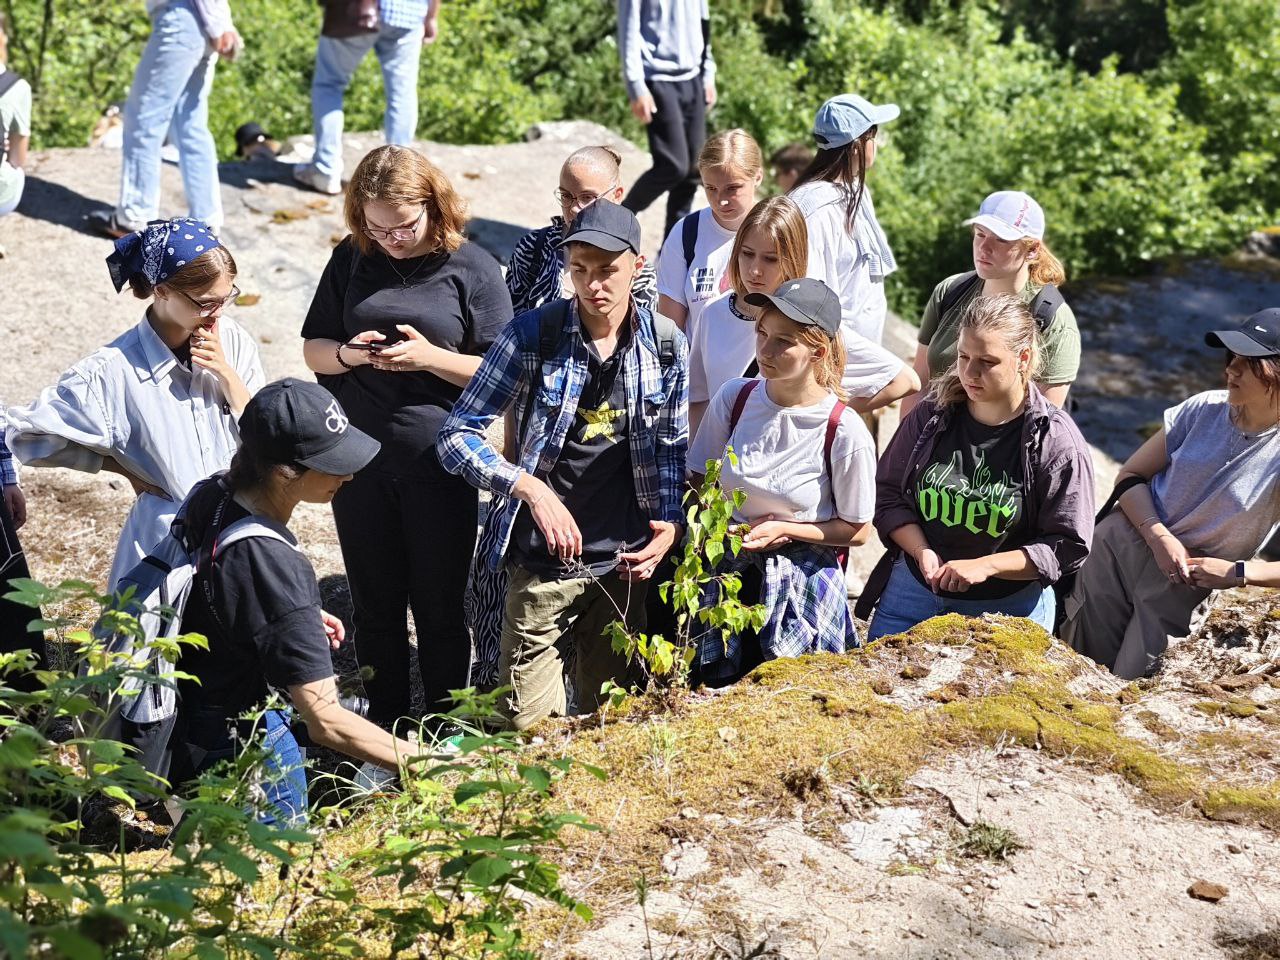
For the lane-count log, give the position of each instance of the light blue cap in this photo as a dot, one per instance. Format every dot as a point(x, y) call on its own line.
point(845, 118)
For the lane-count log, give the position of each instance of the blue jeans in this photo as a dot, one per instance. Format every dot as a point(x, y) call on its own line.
point(398, 49)
point(284, 781)
point(906, 602)
point(171, 92)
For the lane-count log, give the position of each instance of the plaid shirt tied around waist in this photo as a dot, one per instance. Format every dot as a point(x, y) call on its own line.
point(806, 606)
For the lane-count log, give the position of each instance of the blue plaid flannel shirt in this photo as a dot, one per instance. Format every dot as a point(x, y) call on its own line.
point(8, 472)
point(657, 406)
point(404, 14)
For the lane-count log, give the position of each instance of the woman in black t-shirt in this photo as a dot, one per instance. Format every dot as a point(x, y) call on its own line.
point(404, 311)
point(258, 603)
point(985, 494)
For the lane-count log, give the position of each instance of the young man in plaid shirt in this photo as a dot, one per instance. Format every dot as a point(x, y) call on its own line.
point(593, 505)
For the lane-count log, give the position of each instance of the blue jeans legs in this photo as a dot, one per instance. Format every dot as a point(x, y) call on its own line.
point(398, 50)
point(170, 92)
point(906, 602)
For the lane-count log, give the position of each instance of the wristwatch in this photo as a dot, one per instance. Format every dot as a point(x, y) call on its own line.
point(1240, 573)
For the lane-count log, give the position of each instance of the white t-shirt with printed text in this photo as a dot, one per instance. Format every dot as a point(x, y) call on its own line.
point(780, 466)
point(706, 279)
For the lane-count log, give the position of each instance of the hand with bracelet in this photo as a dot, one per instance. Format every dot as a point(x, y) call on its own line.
point(360, 349)
point(1170, 555)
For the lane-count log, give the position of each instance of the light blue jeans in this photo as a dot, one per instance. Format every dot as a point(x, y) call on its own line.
point(171, 92)
point(398, 50)
point(906, 602)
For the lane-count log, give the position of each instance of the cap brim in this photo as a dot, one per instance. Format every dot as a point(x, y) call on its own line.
point(349, 455)
point(997, 226)
point(605, 241)
point(1238, 343)
point(884, 113)
point(788, 310)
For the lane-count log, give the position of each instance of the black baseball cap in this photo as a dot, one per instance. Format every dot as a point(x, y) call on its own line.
point(1259, 336)
point(607, 226)
point(806, 301)
point(294, 421)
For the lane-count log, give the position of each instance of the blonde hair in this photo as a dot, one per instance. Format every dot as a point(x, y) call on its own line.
point(1045, 268)
point(829, 371)
point(734, 150)
point(1008, 318)
point(402, 176)
point(781, 219)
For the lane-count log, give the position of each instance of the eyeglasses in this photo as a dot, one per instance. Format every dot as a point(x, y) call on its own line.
point(208, 308)
point(398, 234)
point(567, 199)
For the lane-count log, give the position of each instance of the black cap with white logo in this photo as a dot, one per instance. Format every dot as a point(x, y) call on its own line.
point(294, 421)
point(607, 226)
point(806, 301)
point(1259, 336)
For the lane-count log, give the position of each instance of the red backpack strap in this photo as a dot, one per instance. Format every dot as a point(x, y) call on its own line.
point(833, 425)
point(740, 403)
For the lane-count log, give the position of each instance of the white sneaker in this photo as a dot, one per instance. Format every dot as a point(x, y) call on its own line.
point(308, 176)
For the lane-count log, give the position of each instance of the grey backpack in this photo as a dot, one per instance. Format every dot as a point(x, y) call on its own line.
point(156, 592)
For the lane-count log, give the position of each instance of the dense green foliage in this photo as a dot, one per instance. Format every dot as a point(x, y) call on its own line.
point(1144, 127)
point(446, 866)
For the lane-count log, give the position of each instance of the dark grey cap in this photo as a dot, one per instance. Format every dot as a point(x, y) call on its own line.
point(607, 226)
point(1259, 336)
point(295, 421)
point(806, 301)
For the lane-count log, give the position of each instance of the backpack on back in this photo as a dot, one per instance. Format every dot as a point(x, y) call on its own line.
point(158, 589)
point(1044, 307)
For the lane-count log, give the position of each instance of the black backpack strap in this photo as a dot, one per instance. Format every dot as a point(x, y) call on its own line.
point(664, 334)
point(964, 283)
point(8, 80)
point(689, 238)
point(1045, 306)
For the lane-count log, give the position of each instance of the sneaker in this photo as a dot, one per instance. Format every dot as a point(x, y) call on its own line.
point(104, 222)
point(305, 174)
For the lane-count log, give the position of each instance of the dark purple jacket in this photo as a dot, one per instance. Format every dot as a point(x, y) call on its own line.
point(1057, 483)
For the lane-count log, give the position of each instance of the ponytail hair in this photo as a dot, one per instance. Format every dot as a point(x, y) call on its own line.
point(829, 371)
point(781, 219)
point(1007, 317)
point(1045, 267)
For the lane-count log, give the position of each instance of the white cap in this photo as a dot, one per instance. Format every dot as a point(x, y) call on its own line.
point(1010, 215)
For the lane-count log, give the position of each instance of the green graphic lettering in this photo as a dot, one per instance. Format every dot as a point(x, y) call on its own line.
point(983, 504)
point(977, 509)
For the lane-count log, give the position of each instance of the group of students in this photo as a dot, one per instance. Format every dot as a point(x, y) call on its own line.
point(758, 332)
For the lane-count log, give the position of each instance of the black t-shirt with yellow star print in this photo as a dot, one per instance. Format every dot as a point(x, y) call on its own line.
point(593, 477)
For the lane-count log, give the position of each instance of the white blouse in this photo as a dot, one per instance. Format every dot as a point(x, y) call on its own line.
point(132, 400)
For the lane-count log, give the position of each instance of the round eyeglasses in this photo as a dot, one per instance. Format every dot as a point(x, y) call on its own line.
point(398, 234)
point(208, 308)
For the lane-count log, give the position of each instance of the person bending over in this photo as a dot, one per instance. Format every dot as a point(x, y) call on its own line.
point(593, 503)
point(258, 602)
point(985, 493)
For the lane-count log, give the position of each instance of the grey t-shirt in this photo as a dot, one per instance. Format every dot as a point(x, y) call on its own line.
point(1220, 493)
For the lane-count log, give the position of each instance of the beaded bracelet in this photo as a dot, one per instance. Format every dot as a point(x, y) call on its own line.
point(338, 353)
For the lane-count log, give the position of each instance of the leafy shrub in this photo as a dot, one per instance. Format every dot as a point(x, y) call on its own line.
point(463, 845)
point(710, 535)
point(1227, 67)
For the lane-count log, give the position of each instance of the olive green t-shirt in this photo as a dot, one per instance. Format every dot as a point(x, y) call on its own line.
point(1060, 344)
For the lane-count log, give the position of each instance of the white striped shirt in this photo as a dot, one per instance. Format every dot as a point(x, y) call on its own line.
point(133, 401)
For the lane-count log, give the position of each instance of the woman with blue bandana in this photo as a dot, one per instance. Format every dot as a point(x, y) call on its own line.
point(158, 404)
